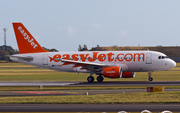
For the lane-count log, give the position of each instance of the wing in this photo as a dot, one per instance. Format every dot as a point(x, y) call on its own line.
point(85, 65)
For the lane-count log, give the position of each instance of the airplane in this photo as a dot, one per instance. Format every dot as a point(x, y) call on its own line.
point(110, 64)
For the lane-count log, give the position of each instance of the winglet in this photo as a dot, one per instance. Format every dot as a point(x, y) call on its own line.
point(26, 42)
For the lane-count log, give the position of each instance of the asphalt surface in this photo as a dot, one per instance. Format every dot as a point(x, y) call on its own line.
point(88, 107)
point(115, 83)
point(129, 83)
point(37, 83)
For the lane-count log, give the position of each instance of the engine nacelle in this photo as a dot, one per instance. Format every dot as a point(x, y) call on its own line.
point(112, 72)
point(128, 74)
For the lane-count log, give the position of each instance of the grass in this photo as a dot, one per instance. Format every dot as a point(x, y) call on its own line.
point(178, 64)
point(166, 97)
point(57, 88)
point(51, 88)
point(14, 65)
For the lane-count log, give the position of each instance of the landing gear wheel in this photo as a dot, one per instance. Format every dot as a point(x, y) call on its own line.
point(100, 78)
point(90, 79)
point(150, 79)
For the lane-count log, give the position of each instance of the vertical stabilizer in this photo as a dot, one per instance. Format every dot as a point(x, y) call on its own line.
point(26, 42)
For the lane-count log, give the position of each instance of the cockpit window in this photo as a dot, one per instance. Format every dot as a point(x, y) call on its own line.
point(162, 57)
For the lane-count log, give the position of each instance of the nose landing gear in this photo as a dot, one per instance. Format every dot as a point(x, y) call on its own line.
point(150, 78)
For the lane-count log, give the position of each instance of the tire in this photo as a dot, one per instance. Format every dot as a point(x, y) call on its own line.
point(150, 79)
point(100, 78)
point(90, 79)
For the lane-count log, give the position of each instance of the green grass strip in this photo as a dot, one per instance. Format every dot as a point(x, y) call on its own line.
point(54, 88)
point(165, 97)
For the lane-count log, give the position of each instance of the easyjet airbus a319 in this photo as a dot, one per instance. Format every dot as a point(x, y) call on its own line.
point(111, 64)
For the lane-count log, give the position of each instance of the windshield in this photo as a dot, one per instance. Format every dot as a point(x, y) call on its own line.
point(162, 57)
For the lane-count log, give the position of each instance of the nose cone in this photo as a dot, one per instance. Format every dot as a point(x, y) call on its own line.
point(172, 64)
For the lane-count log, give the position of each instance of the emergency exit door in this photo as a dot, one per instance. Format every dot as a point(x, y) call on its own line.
point(45, 59)
point(148, 58)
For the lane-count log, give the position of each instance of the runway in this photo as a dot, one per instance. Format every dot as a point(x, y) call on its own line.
point(88, 107)
point(115, 83)
point(37, 83)
point(129, 83)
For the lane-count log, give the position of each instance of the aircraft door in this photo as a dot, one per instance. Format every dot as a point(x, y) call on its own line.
point(45, 59)
point(148, 58)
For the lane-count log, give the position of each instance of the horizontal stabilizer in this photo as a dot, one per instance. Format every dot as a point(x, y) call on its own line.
point(27, 59)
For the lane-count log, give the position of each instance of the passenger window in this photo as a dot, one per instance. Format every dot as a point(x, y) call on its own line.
point(159, 57)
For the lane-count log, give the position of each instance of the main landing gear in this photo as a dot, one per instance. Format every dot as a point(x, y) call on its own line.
point(91, 78)
point(150, 78)
point(100, 78)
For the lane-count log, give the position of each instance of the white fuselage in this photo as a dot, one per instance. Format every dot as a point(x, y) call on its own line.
point(130, 61)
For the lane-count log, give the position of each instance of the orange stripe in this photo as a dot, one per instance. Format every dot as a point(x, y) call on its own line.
point(68, 63)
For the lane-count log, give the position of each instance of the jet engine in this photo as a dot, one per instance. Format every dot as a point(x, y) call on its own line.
point(112, 72)
point(128, 74)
